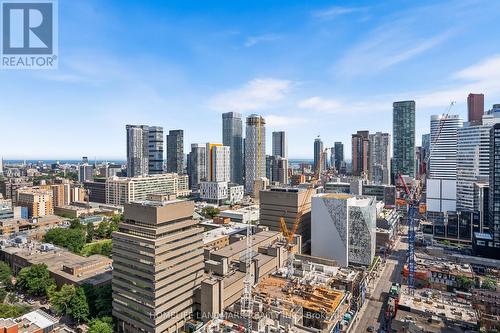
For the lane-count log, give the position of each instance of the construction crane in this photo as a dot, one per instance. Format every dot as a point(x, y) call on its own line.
point(412, 199)
point(288, 234)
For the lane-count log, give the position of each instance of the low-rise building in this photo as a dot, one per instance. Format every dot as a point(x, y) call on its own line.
point(249, 214)
point(64, 266)
point(33, 228)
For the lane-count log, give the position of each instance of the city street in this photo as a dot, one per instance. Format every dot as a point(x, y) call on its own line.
point(372, 313)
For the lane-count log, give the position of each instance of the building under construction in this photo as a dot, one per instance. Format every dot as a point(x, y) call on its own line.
point(315, 298)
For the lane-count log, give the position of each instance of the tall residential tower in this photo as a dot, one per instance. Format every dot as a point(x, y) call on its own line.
point(232, 136)
point(175, 151)
point(403, 132)
point(255, 151)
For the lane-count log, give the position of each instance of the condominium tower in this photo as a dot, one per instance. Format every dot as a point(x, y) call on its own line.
point(157, 266)
point(318, 155)
point(255, 151)
point(155, 148)
point(280, 144)
point(339, 155)
point(197, 165)
point(403, 132)
point(137, 150)
point(232, 137)
point(175, 151)
point(494, 193)
point(475, 107)
point(360, 153)
point(380, 158)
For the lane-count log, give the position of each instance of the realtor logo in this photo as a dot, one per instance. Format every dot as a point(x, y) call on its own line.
point(29, 34)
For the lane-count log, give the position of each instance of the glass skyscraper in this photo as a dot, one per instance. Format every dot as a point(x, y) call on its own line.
point(403, 131)
point(232, 136)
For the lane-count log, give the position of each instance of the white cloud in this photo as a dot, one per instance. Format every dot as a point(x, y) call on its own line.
point(252, 40)
point(321, 104)
point(283, 121)
point(255, 94)
point(337, 11)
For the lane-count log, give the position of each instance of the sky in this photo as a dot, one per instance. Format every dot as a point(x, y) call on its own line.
point(311, 68)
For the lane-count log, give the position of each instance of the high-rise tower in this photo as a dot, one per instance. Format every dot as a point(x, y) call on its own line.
point(255, 150)
point(280, 144)
point(175, 151)
point(403, 132)
point(232, 136)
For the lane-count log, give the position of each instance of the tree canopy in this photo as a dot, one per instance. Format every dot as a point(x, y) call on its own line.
point(35, 280)
point(100, 326)
point(210, 212)
point(72, 239)
point(70, 301)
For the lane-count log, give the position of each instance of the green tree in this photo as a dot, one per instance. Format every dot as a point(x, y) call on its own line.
point(99, 300)
point(210, 212)
point(113, 226)
point(464, 283)
point(489, 283)
point(72, 239)
point(71, 301)
point(5, 275)
point(100, 326)
point(13, 311)
point(90, 232)
point(103, 229)
point(35, 280)
point(75, 224)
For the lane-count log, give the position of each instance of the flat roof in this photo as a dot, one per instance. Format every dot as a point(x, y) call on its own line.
point(240, 246)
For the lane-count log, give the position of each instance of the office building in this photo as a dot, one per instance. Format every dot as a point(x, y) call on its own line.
point(280, 144)
point(175, 151)
point(344, 228)
point(255, 151)
point(360, 153)
point(286, 203)
point(197, 165)
point(475, 107)
point(494, 184)
point(122, 190)
point(218, 163)
point(380, 158)
point(38, 201)
point(157, 266)
point(85, 173)
point(155, 150)
point(473, 159)
point(96, 190)
point(137, 150)
point(403, 132)
point(339, 155)
point(444, 134)
point(232, 137)
point(318, 165)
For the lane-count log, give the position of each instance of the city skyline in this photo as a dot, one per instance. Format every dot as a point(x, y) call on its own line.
point(171, 81)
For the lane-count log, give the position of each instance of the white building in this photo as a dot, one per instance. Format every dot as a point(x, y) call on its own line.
point(121, 190)
point(343, 228)
point(219, 192)
point(213, 191)
point(255, 151)
point(473, 158)
point(442, 175)
point(219, 164)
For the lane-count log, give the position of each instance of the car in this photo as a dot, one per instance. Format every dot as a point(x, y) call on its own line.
point(370, 329)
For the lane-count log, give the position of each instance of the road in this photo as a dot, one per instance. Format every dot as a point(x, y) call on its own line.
point(372, 312)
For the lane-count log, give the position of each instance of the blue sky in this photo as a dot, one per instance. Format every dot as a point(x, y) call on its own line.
point(323, 67)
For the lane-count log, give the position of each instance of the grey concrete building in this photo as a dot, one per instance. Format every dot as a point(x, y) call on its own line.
point(287, 202)
point(175, 151)
point(144, 150)
point(280, 144)
point(380, 158)
point(232, 136)
point(157, 266)
point(197, 165)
